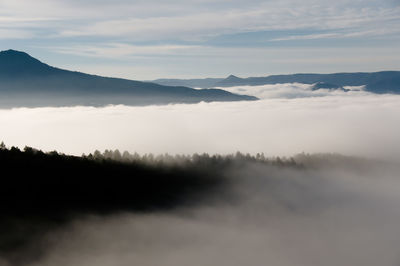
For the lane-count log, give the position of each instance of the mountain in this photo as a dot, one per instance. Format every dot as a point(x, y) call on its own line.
point(376, 82)
point(26, 81)
point(230, 81)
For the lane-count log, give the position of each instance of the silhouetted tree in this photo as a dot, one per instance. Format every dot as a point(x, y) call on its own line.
point(117, 155)
point(97, 154)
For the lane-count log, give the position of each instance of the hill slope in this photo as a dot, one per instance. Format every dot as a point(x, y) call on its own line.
point(25, 81)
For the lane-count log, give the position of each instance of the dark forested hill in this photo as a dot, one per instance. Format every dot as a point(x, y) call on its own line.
point(376, 82)
point(25, 81)
point(51, 183)
point(39, 191)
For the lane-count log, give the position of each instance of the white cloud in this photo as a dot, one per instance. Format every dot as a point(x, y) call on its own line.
point(354, 124)
point(291, 90)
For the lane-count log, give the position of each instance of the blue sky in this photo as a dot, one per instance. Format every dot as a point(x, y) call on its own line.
point(201, 38)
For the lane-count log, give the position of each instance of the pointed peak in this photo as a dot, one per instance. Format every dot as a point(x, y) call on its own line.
point(16, 56)
point(232, 78)
point(12, 52)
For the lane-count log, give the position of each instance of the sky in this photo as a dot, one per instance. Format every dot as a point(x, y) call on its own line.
point(146, 40)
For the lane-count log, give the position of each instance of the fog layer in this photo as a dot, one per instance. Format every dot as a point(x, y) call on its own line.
point(330, 213)
point(353, 123)
point(295, 90)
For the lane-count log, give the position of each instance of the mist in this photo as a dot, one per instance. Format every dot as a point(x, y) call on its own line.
point(352, 123)
point(335, 211)
point(294, 90)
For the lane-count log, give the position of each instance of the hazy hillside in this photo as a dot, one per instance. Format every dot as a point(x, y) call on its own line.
point(25, 81)
point(377, 82)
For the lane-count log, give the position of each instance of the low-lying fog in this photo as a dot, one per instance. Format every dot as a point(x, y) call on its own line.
point(331, 213)
point(292, 90)
point(292, 120)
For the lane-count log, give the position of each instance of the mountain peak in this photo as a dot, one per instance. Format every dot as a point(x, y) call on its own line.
point(14, 62)
point(232, 78)
point(12, 52)
point(13, 55)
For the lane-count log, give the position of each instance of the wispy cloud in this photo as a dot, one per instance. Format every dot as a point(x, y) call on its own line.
point(196, 19)
point(119, 50)
point(340, 35)
point(234, 21)
point(15, 34)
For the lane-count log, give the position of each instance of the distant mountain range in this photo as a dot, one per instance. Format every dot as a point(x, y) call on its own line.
point(25, 81)
point(376, 82)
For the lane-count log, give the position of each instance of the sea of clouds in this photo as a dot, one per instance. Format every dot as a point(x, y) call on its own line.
point(293, 90)
point(289, 119)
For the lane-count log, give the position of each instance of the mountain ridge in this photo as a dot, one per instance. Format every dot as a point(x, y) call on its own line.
point(376, 82)
point(26, 81)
